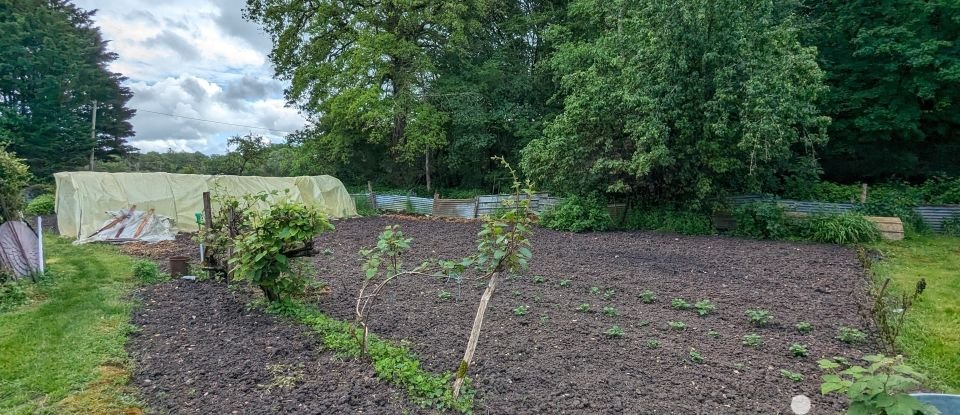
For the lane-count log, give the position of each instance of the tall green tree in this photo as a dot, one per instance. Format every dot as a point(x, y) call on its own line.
point(678, 101)
point(53, 65)
point(893, 68)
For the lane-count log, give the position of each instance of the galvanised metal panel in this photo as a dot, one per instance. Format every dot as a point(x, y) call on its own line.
point(934, 216)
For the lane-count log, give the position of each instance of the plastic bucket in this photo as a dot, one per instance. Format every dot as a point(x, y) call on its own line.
point(178, 266)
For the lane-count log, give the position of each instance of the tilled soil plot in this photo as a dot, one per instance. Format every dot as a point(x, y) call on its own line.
point(198, 350)
point(556, 359)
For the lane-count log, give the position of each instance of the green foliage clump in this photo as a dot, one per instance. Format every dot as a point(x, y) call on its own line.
point(842, 229)
point(951, 226)
point(583, 308)
point(148, 272)
point(695, 356)
point(682, 222)
point(363, 206)
point(680, 304)
point(609, 311)
point(647, 297)
point(614, 331)
point(803, 327)
point(277, 232)
point(881, 388)
point(677, 325)
point(851, 336)
point(752, 340)
point(759, 318)
point(704, 307)
point(12, 294)
point(798, 350)
point(521, 310)
point(652, 344)
point(41, 205)
point(794, 376)
point(14, 176)
point(577, 214)
point(761, 220)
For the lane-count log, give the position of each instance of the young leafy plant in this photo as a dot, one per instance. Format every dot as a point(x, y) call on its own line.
point(794, 376)
point(704, 307)
point(695, 356)
point(521, 310)
point(594, 290)
point(539, 279)
point(759, 318)
point(713, 333)
point(614, 331)
point(803, 327)
point(798, 350)
point(851, 336)
point(752, 340)
point(677, 325)
point(647, 297)
point(444, 295)
point(680, 304)
point(583, 308)
point(608, 294)
point(564, 283)
point(610, 311)
point(879, 388)
point(652, 344)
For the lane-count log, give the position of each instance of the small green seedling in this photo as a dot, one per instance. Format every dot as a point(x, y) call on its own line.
point(803, 327)
point(521, 310)
point(851, 336)
point(516, 293)
point(608, 294)
point(327, 251)
point(642, 323)
point(537, 279)
point(677, 325)
point(798, 350)
point(610, 311)
point(594, 290)
point(713, 333)
point(544, 319)
point(583, 308)
point(653, 344)
point(564, 283)
point(794, 376)
point(695, 356)
point(759, 318)
point(704, 307)
point(647, 297)
point(614, 331)
point(680, 304)
point(444, 295)
point(752, 340)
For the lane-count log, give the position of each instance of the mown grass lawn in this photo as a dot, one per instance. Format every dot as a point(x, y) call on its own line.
point(64, 351)
point(931, 333)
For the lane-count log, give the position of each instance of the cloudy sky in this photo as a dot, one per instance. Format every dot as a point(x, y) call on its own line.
point(195, 59)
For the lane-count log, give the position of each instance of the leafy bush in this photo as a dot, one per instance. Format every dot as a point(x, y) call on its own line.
point(851, 336)
point(759, 318)
point(761, 220)
point(879, 388)
point(41, 205)
point(682, 222)
point(842, 229)
point(14, 176)
point(951, 226)
point(148, 272)
point(576, 214)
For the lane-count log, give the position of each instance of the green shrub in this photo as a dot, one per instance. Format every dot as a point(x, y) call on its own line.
point(576, 214)
point(41, 205)
point(682, 222)
point(842, 229)
point(951, 226)
point(761, 220)
point(941, 191)
point(14, 176)
point(148, 272)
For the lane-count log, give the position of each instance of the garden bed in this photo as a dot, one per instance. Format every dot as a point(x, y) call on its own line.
point(556, 359)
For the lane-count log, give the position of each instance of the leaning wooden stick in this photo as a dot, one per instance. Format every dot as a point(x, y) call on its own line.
point(123, 218)
point(111, 224)
point(143, 223)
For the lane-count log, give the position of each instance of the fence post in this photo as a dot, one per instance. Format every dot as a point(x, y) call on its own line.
point(863, 194)
point(373, 197)
point(476, 207)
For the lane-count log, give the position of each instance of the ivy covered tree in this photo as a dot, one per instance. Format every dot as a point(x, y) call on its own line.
point(53, 65)
point(894, 72)
point(669, 101)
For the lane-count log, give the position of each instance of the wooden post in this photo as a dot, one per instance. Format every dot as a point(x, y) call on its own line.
point(373, 197)
point(207, 211)
point(474, 335)
point(863, 194)
point(476, 207)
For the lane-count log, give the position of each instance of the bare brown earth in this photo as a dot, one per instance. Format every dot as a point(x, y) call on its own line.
point(199, 350)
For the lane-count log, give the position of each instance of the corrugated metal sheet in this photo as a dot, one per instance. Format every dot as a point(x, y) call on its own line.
point(455, 208)
point(411, 204)
point(934, 216)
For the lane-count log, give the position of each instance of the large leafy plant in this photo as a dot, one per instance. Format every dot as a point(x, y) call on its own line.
point(880, 388)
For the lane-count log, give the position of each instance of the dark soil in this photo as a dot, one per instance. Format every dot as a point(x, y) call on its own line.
point(199, 350)
point(555, 359)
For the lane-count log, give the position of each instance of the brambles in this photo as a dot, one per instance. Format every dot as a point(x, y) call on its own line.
point(798, 350)
point(879, 388)
point(608, 294)
point(680, 304)
point(583, 308)
point(759, 318)
point(803, 327)
point(564, 283)
point(521, 310)
point(752, 340)
point(538, 279)
point(614, 331)
point(695, 356)
point(713, 333)
point(610, 311)
point(652, 344)
point(444, 295)
point(647, 297)
point(851, 336)
point(677, 325)
point(704, 307)
point(594, 290)
point(794, 376)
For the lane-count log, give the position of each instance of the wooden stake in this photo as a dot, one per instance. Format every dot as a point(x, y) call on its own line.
point(373, 197)
point(474, 334)
point(863, 194)
point(112, 223)
point(207, 211)
point(143, 223)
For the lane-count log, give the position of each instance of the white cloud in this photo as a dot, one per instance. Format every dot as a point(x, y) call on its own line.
point(197, 59)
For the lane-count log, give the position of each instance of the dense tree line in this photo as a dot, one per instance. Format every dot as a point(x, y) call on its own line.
point(656, 99)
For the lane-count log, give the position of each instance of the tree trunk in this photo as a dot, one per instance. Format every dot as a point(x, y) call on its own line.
point(474, 334)
point(426, 167)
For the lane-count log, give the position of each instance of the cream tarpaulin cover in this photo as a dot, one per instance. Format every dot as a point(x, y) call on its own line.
point(84, 198)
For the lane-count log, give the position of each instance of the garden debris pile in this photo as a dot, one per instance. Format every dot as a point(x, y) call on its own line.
point(129, 225)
